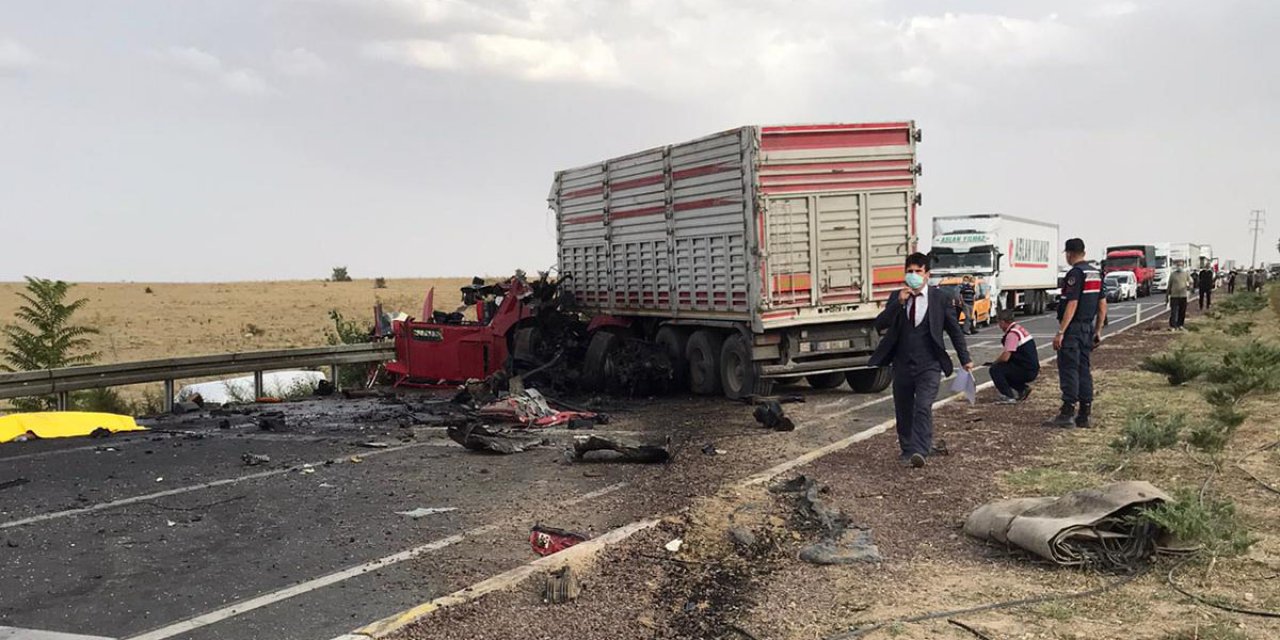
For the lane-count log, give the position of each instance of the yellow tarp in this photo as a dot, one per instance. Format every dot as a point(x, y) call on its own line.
point(63, 424)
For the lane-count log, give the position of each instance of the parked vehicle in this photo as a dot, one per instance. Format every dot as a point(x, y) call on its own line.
point(1014, 256)
point(1138, 258)
point(1120, 286)
point(758, 253)
point(984, 311)
point(1169, 255)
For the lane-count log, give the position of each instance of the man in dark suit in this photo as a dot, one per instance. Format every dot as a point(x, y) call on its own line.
point(912, 323)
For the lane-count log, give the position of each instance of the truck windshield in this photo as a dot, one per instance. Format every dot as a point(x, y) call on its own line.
point(978, 261)
point(1127, 264)
point(1162, 262)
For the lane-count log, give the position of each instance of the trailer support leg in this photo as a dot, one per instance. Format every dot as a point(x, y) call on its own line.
point(167, 403)
point(257, 385)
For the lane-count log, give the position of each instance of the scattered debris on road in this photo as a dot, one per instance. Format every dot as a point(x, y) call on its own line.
point(626, 450)
point(1092, 527)
point(562, 586)
point(255, 459)
point(841, 542)
point(16, 482)
point(422, 512)
point(674, 545)
point(770, 414)
point(481, 438)
point(548, 540)
point(273, 421)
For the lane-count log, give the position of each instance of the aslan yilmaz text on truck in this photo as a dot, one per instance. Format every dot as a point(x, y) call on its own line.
point(754, 254)
point(1014, 259)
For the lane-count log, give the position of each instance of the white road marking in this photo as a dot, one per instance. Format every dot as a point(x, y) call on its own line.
point(273, 597)
point(101, 506)
point(14, 633)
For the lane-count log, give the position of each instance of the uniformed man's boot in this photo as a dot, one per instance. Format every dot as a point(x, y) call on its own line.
point(1082, 418)
point(1066, 417)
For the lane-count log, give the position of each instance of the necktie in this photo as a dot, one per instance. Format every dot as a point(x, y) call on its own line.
point(911, 309)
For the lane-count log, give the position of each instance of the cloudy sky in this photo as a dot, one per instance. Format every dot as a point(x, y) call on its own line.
point(264, 139)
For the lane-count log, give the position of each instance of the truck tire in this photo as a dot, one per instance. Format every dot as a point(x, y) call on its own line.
point(738, 374)
point(597, 365)
point(675, 342)
point(826, 380)
point(703, 354)
point(870, 380)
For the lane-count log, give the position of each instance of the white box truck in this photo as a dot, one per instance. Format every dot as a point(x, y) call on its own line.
point(753, 254)
point(1016, 258)
point(1168, 255)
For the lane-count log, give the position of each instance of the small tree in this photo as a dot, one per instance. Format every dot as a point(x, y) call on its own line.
point(348, 332)
point(379, 283)
point(45, 338)
point(340, 275)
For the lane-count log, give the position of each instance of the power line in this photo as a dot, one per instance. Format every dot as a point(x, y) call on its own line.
point(1257, 220)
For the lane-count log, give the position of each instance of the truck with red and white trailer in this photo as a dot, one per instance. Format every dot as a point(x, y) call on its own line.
point(1015, 258)
point(750, 255)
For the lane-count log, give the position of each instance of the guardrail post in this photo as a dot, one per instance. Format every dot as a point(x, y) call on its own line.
point(333, 376)
point(167, 404)
point(1139, 317)
point(257, 385)
point(64, 400)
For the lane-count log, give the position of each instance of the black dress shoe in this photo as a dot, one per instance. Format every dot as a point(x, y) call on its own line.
point(917, 460)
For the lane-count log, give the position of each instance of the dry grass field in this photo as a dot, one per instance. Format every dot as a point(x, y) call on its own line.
point(181, 319)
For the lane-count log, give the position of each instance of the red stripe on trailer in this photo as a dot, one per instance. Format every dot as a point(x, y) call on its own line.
point(596, 217)
point(697, 172)
point(703, 204)
point(775, 315)
point(589, 191)
point(637, 213)
point(837, 166)
point(826, 186)
point(1030, 265)
point(828, 139)
point(789, 177)
point(836, 127)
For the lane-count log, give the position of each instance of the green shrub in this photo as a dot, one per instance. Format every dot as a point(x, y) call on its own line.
point(1180, 366)
point(1148, 432)
point(1210, 438)
point(1244, 302)
point(1239, 328)
point(1254, 367)
point(340, 275)
point(379, 283)
point(349, 332)
point(1212, 523)
point(1227, 415)
point(46, 338)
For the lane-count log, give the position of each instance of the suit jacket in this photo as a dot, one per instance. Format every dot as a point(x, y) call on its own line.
point(893, 320)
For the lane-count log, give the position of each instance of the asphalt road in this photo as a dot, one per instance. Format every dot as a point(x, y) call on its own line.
point(168, 534)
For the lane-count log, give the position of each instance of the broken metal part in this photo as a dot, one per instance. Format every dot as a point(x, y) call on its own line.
point(628, 450)
point(562, 586)
point(480, 438)
point(548, 540)
point(770, 414)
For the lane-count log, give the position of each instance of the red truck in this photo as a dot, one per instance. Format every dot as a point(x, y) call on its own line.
point(1138, 258)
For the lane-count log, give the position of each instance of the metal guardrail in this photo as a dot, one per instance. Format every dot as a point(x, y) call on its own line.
point(63, 381)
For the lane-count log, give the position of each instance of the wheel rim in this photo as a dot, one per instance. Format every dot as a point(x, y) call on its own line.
point(697, 370)
point(737, 373)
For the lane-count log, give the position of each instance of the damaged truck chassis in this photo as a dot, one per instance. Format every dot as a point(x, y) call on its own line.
point(724, 264)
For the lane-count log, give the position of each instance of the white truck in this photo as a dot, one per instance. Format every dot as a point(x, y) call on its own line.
point(749, 255)
point(1169, 254)
point(1015, 257)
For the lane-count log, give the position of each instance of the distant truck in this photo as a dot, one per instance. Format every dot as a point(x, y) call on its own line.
point(1015, 257)
point(1168, 255)
point(750, 255)
point(1138, 258)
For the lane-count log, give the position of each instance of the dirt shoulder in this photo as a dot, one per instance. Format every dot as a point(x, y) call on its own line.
point(716, 588)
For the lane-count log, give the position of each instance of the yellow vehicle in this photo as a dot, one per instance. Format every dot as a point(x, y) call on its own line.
point(983, 311)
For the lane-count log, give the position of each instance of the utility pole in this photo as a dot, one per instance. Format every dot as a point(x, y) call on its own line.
point(1257, 220)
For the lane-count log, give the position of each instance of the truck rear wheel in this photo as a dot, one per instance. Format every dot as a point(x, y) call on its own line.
point(826, 380)
point(675, 342)
point(597, 365)
point(870, 380)
point(524, 348)
point(738, 375)
point(703, 354)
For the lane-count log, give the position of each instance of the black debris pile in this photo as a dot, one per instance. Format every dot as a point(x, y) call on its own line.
point(273, 421)
point(839, 540)
point(620, 450)
point(255, 459)
point(477, 437)
point(770, 414)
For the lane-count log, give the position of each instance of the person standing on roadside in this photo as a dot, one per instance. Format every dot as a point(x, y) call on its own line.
point(968, 293)
point(1179, 283)
point(1231, 281)
point(1205, 284)
point(913, 322)
point(1018, 365)
point(1081, 314)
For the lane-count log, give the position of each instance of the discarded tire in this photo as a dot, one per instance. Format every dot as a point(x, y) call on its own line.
point(676, 342)
point(524, 347)
point(870, 380)
point(738, 374)
point(597, 366)
point(825, 380)
point(703, 354)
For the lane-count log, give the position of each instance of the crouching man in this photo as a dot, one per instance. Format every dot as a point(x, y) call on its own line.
point(1018, 364)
